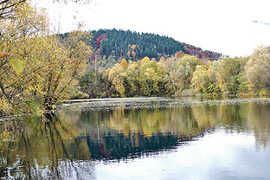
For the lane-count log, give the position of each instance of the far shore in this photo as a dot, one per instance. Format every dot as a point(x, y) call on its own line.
point(150, 102)
point(107, 104)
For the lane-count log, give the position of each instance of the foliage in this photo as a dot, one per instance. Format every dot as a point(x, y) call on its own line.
point(20, 42)
point(227, 75)
point(144, 78)
point(204, 80)
point(224, 77)
point(258, 69)
point(35, 66)
point(186, 67)
point(96, 84)
point(153, 78)
point(171, 76)
point(180, 70)
point(127, 44)
point(112, 45)
point(7, 7)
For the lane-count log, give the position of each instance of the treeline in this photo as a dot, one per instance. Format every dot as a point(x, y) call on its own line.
point(111, 45)
point(198, 52)
point(179, 74)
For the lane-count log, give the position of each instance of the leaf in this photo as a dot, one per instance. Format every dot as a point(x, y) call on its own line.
point(3, 54)
point(17, 65)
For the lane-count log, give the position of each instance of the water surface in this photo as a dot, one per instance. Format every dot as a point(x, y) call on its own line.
point(195, 141)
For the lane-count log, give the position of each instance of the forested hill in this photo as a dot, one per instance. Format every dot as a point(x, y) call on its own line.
point(113, 44)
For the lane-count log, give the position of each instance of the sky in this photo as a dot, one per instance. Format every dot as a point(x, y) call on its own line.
point(232, 27)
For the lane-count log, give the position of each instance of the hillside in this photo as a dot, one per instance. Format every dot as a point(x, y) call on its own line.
point(110, 45)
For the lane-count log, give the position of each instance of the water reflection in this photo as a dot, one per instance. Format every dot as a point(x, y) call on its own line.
point(73, 145)
point(31, 149)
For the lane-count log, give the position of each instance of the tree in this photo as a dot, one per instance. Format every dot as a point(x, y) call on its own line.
point(96, 84)
point(132, 81)
point(63, 66)
point(7, 7)
point(117, 74)
point(21, 38)
point(38, 67)
point(227, 72)
point(258, 69)
point(153, 78)
point(181, 70)
point(204, 79)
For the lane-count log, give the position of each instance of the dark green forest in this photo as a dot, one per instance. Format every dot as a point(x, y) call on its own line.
point(119, 43)
point(111, 45)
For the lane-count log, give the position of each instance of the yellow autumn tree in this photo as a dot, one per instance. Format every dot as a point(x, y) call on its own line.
point(117, 74)
point(204, 79)
point(152, 77)
point(19, 67)
point(37, 67)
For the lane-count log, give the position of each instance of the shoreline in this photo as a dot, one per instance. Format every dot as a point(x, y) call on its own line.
point(150, 102)
point(107, 104)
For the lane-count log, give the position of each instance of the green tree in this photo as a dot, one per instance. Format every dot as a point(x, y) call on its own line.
point(181, 71)
point(96, 84)
point(228, 71)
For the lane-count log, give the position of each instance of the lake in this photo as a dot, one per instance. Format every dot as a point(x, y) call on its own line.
point(190, 139)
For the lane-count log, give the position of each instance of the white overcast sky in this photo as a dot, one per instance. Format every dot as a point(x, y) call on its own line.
point(224, 26)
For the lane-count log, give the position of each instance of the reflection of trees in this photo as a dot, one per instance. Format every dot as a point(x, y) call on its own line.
point(130, 133)
point(120, 146)
point(67, 146)
point(179, 121)
point(120, 132)
point(233, 117)
point(205, 116)
point(37, 150)
point(258, 122)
